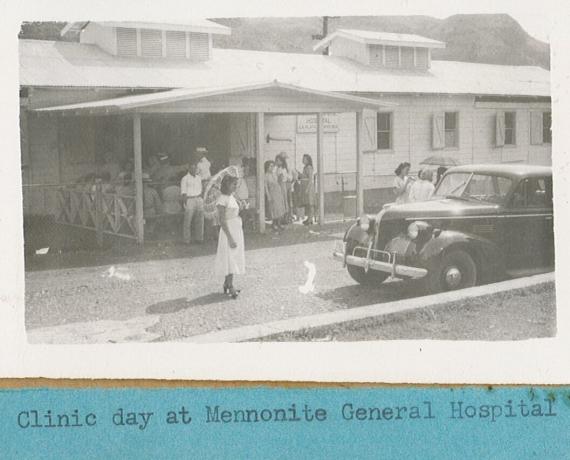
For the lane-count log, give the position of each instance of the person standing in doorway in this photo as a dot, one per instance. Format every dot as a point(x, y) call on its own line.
point(285, 179)
point(308, 189)
point(230, 256)
point(274, 195)
point(191, 191)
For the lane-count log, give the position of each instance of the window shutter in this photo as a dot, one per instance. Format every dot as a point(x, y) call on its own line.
point(536, 128)
point(438, 130)
point(370, 131)
point(500, 129)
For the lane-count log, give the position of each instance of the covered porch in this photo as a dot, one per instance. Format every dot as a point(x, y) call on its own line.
point(245, 108)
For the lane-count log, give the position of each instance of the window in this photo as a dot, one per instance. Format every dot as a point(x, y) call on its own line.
point(451, 131)
point(479, 187)
point(547, 127)
point(534, 192)
point(510, 128)
point(384, 130)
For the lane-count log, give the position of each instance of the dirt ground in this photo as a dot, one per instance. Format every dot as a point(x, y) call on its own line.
point(167, 291)
point(515, 315)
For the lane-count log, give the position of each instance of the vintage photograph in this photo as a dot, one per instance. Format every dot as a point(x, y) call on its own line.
point(309, 179)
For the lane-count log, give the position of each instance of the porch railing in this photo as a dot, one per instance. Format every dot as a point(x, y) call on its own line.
point(94, 209)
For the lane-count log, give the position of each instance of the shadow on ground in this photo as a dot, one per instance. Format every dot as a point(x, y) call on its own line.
point(355, 295)
point(83, 252)
point(182, 303)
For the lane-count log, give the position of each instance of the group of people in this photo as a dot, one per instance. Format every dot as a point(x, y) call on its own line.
point(287, 190)
point(409, 189)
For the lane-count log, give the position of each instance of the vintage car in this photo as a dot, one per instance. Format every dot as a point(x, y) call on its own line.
point(484, 223)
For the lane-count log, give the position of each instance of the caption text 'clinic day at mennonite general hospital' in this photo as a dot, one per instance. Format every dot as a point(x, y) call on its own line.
point(294, 412)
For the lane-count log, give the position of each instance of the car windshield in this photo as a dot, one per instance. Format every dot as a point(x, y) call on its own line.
point(479, 187)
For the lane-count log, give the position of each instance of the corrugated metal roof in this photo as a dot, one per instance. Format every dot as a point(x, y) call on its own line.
point(65, 64)
point(380, 38)
point(178, 95)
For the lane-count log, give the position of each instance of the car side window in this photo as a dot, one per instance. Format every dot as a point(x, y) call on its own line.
point(533, 192)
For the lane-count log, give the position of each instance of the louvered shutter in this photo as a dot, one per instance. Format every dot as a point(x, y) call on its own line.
point(500, 129)
point(438, 130)
point(151, 43)
point(175, 44)
point(536, 128)
point(199, 46)
point(126, 41)
point(370, 131)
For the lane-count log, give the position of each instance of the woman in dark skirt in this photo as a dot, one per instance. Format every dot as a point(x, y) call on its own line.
point(308, 189)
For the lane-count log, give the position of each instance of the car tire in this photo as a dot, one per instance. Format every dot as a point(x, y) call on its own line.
point(369, 278)
point(455, 270)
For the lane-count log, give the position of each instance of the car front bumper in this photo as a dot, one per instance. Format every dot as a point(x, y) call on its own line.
point(389, 266)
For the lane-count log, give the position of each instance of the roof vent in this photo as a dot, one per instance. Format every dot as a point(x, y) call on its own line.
point(150, 40)
point(380, 49)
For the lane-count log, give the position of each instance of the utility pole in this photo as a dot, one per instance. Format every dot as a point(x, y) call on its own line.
point(325, 32)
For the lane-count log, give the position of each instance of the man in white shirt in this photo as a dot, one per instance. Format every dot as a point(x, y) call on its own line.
point(191, 191)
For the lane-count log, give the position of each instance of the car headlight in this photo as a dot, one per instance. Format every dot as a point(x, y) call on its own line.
point(416, 228)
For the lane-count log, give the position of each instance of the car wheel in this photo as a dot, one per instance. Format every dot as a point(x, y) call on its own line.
point(370, 278)
point(456, 270)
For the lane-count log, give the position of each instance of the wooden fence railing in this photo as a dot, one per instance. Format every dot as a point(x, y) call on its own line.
point(102, 212)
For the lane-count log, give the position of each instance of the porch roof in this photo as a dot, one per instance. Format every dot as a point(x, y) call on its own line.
point(274, 96)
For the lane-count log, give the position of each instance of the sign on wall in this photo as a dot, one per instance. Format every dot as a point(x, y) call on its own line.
point(308, 123)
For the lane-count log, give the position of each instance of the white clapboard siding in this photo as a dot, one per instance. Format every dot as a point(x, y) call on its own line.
point(536, 134)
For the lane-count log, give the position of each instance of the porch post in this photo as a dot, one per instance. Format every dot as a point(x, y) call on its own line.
point(320, 169)
point(137, 148)
point(359, 162)
point(260, 170)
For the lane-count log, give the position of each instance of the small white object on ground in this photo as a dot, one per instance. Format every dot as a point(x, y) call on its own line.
point(314, 233)
point(42, 251)
point(119, 272)
point(309, 285)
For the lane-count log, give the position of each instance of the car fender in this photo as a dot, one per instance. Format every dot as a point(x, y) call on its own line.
point(356, 234)
point(486, 254)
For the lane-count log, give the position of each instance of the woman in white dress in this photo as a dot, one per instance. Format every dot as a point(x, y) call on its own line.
point(422, 189)
point(230, 257)
point(402, 183)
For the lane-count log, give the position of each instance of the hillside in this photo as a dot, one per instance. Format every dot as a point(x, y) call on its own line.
point(488, 38)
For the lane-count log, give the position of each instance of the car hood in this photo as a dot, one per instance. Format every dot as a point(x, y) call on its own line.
point(444, 207)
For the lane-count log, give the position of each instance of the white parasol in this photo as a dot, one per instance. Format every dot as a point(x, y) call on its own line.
point(213, 190)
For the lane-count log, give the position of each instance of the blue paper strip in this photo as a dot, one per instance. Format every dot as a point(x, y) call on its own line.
point(268, 422)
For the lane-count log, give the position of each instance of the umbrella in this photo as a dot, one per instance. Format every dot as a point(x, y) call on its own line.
point(438, 160)
point(213, 190)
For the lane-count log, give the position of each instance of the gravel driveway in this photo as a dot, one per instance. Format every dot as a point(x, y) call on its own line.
point(183, 298)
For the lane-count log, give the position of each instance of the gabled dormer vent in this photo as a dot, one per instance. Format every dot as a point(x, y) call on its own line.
point(150, 40)
point(381, 50)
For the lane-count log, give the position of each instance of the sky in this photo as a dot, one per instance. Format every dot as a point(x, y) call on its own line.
point(536, 17)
